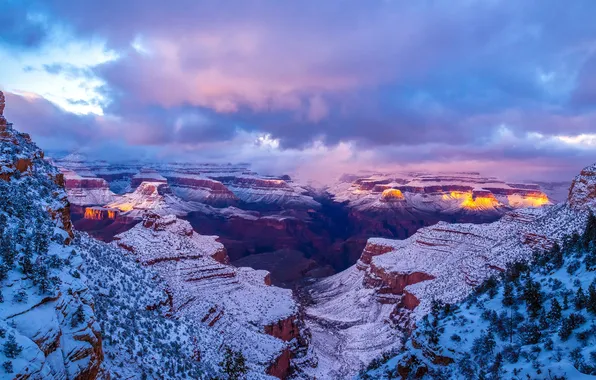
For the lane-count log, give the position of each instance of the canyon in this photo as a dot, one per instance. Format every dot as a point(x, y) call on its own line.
point(206, 245)
point(255, 214)
point(332, 246)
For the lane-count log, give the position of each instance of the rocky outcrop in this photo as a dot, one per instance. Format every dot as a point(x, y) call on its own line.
point(3, 121)
point(284, 329)
point(396, 281)
point(583, 189)
point(443, 195)
point(280, 368)
point(87, 191)
point(214, 294)
point(150, 197)
point(287, 330)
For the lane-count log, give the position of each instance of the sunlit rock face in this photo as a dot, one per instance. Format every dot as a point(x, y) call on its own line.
point(100, 213)
point(391, 195)
point(395, 205)
point(437, 193)
point(395, 281)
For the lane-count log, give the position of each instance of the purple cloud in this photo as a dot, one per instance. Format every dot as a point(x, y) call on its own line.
point(387, 76)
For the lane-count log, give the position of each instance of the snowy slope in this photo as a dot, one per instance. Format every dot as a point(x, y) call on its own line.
point(46, 310)
point(131, 303)
point(232, 306)
point(395, 282)
point(531, 322)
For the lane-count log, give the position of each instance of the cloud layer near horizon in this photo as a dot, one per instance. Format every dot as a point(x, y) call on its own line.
point(284, 84)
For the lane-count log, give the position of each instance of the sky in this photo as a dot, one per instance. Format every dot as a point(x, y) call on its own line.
point(507, 88)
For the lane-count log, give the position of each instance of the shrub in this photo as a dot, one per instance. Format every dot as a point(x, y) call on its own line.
point(7, 366)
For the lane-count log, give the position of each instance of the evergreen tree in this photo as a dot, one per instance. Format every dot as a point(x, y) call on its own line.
point(555, 311)
point(589, 235)
point(496, 369)
point(590, 259)
point(466, 367)
point(580, 299)
point(591, 301)
point(78, 317)
point(533, 297)
point(556, 256)
point(234, 364)
point(11, 348)
point(565, 302)
point(7, 366)
point(484, 346)
point(508, 299)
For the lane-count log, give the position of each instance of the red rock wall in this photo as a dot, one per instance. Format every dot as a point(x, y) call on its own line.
point(285, 329)
point(96, 213)
point(280, 368)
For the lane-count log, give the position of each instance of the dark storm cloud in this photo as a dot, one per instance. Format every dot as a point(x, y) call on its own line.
point(381, 74)
point(46, 121)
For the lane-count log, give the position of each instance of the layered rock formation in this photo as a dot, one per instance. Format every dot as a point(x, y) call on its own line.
point(395, 281)
point(237, 304)
point(201, 189)
point(256, 214)
point(146, 175)
point(447, 194)
point(583, 188)
point(47, 310)
point(216, 185)
point(87, 191)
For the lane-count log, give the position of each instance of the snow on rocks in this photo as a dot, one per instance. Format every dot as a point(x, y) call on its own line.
point(445, 193)
point(395, 281)
point(235, 304)
point(131, 302)
point(87, 191)
point(46, 309)
point(212, 184)
point(156, 197)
